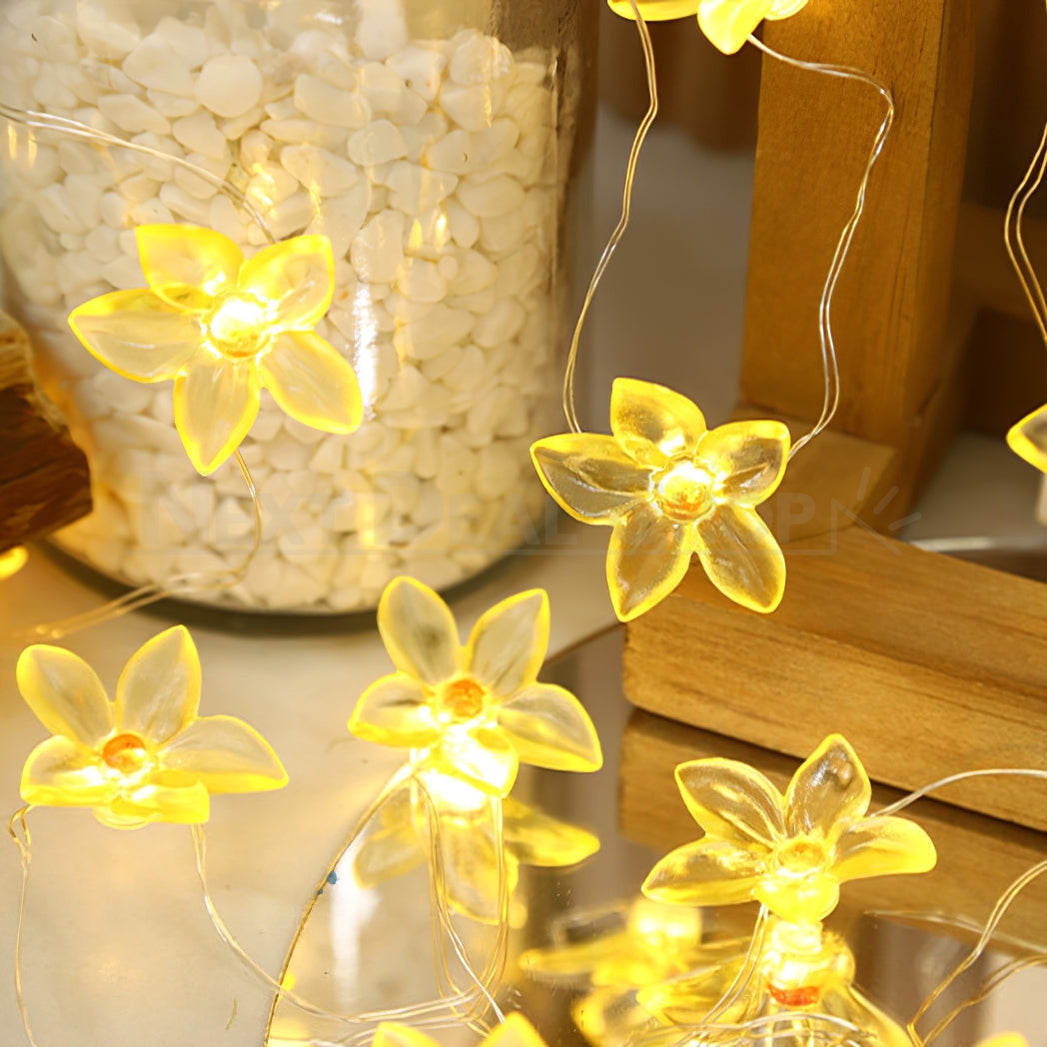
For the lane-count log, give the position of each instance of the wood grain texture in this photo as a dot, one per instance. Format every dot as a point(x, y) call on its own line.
point(44, 481)
point(814, 136)
point(928, 665)
point(977, 856)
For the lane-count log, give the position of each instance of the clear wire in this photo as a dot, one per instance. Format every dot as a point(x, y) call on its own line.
point(62, 125)
point(830, 362)
point(1013, 239)
point(962, 776)
point(181, 585)
point(24, 843)
point(430, 1014)
point(569, 408)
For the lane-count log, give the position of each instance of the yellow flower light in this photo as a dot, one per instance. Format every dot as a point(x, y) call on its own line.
point(12, 561)
point(468, 843)
point(473, 712)
point(1028, 438)
point(515, 1031)
point(727, 23)
point(146, 756)
point(223, 328)
point(671, 488)
point(789, 852)
point(802, 971)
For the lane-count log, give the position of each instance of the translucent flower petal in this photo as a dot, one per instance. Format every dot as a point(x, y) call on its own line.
point(647, 558)
point(224, 754)
point(654, 423)
point(294, 279)
point(750, 456)
point(62, 773)
point(806, 899)
point(137, 334)
point(1028, 438)
point(65, 694)
point(215, 405)
point(728, 23)
point(309, 380)
point(655, 10)
point(158, 692)
point(395, 845)
point(187, 266)
point(418, 630)
point(829, 791)
point(549, 727)
point(507, 645)
point(741, 557)
point(706, 872)
point(688, 999)
point(539, 839)
point(882, 847)
point(515, 1031)
point(732, 801)
point(155, 803)
point(391, 1034)
point(590, 476)
point(471, 851)
point(481, 756)
point(395, 710)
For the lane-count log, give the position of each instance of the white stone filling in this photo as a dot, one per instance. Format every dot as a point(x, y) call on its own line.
point(432, 167)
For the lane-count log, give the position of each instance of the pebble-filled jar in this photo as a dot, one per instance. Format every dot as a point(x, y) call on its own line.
point(436, 144)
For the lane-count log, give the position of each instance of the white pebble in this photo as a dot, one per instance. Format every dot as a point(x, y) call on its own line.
point(319, 170)
point(379, 142)
point(228, 85)
point(155, 63)
point(199, 134)
point(382, 28)
point(327, 104)
point(420, 68)
point(377, 252)
point(480, 59)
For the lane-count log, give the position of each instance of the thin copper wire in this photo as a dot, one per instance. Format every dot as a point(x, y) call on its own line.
point(569, 410)
point(181, 585)
point(830, 362)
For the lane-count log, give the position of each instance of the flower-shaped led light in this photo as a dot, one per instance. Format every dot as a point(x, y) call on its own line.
point(223, 329)
point(473, 712)
point(514, 1031)
point(146, 756)
point(789, 852)
point(671, 488)
point(727, 23)
point(468, 843)
point(1028, 438)
point(802, 972)
point(12, 561)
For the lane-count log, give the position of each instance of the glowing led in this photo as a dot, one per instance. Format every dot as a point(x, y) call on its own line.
point(12, 561)
point(514, 1031)
point(727, 23)
point(789, 852)
point(671, 488)
point(473, 712)
point(223, 328)
point(146, 756)
point(1028, 438)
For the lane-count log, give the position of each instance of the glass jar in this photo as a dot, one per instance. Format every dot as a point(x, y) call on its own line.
point(436, 145)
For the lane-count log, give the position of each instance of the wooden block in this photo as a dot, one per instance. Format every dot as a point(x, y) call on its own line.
point(814, 136)
point(977, 856)
point(928, 665)
point(44, 481)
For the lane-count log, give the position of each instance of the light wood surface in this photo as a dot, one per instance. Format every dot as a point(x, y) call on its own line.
point(890, 312)
point(977, 856)
point(928, 665)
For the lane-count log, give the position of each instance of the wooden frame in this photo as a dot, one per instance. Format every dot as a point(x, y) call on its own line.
point(928, 665)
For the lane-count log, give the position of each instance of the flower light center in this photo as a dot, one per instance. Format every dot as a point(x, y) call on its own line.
point(802, 856)
point(236, 325)
point(685, 491)
point(125, 753)
point(462, 699)
point(796, 996)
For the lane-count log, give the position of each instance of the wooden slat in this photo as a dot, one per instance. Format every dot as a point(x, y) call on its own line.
point(44, 482)
point(814, 136)
point(928, 665)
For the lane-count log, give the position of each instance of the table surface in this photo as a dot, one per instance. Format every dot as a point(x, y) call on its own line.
point(119, 950)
